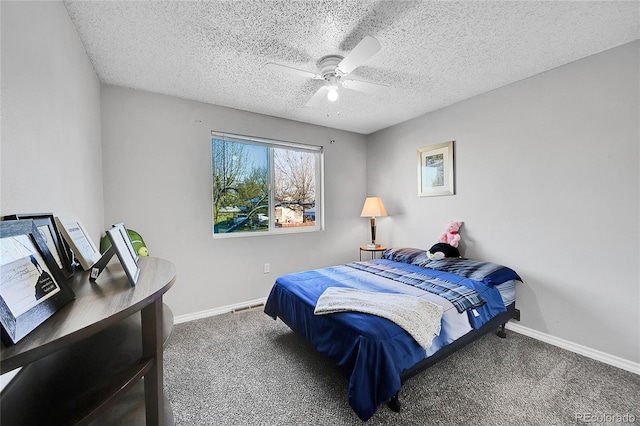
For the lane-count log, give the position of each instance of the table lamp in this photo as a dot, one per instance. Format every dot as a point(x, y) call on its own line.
point(373, 207)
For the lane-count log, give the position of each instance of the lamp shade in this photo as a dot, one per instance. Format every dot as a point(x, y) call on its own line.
point(373, 207)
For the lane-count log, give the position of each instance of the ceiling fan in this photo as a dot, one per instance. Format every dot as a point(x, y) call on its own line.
point(335, 71)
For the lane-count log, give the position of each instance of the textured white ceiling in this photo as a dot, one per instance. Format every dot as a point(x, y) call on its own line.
point(434, 53)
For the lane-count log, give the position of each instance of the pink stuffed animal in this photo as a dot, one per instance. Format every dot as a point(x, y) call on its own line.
point(451, 236)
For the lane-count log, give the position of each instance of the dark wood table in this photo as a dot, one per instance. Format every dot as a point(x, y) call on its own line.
point(94, 353)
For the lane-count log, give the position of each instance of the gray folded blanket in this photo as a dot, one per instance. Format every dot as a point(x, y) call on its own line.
point(418, 317)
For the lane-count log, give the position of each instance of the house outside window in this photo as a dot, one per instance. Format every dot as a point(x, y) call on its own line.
point(263, 186)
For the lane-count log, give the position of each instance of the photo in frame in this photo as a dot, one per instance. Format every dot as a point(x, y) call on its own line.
point(124, 249)
point(32, 287)
point(79, 240)
point(436, 170)
point(59, 249)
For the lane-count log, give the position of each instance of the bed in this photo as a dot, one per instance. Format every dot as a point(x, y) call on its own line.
point(364, 338)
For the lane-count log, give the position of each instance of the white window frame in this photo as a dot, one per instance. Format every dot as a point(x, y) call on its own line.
point(272, 143)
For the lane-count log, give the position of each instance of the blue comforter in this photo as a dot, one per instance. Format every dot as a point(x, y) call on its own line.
point(371, 351)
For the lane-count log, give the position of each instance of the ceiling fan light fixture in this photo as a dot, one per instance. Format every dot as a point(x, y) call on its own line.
point(334, 69)
point(332, 94)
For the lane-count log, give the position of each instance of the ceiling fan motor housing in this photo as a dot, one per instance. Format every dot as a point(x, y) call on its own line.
point(328, 67)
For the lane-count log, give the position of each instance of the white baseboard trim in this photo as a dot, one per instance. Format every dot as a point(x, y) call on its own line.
point(576, 348)
point(217, 311)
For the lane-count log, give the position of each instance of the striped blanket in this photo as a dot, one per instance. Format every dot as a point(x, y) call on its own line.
point(477, 270)
point(462, 297)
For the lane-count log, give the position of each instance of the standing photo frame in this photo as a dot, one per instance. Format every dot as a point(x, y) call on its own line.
point(32, 287)
point(79, 240)
point(127, 238)
point(436, 170)
point(60, 251)
point(121, 242)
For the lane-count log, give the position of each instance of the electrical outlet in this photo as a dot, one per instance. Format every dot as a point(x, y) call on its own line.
point(267, 268)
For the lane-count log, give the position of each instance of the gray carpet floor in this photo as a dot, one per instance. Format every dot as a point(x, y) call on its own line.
point(247, 369)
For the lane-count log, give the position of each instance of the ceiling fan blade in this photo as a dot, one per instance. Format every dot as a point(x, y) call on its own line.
point(367, 47)
point(318, 97)
point(364, 86)
point(283, 68)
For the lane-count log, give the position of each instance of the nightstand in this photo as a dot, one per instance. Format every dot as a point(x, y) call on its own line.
point(373, 251)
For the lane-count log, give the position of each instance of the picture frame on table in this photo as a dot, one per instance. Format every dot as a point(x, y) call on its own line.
point(32, 286)
point(436, 172)
point(127, 239)
point(78, 238)
point(59, 249)
point(121, 242)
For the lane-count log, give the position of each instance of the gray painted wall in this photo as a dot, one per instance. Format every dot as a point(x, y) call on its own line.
point(157, 179)
point(51, 152)
point(547, 177)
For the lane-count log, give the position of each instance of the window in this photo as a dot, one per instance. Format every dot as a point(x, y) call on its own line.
point(263, 186)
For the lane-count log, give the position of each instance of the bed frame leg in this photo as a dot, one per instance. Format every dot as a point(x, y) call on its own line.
point(394, 404)
point(502, 334)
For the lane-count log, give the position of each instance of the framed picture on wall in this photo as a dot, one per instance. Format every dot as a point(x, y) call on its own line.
point(77, 237)
point(32, 286)
point(436, 170)
point(60, 251)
